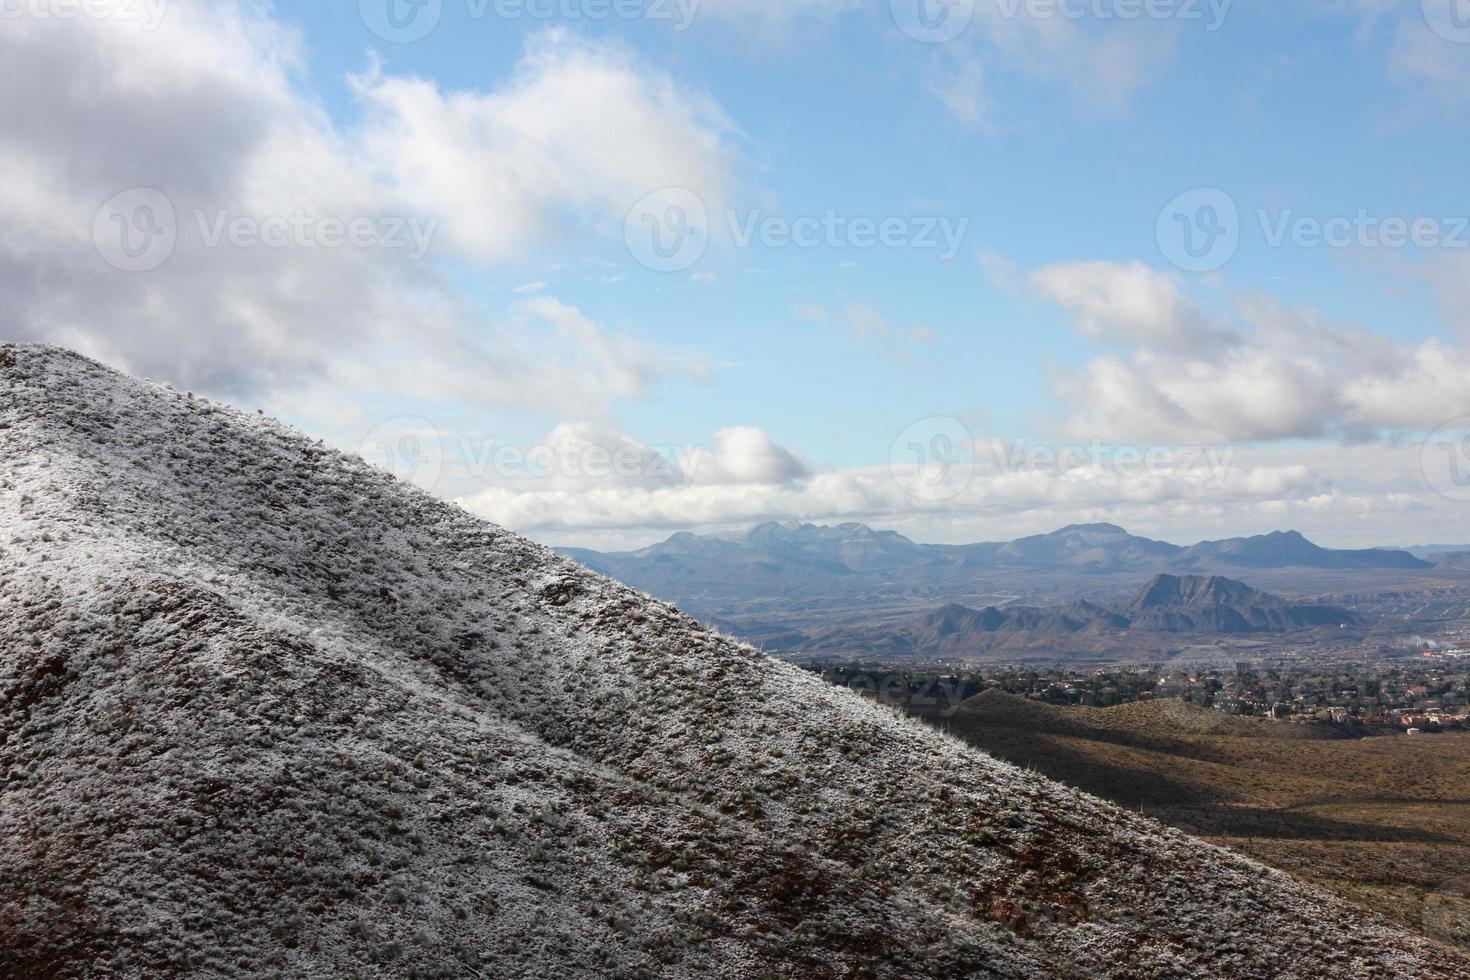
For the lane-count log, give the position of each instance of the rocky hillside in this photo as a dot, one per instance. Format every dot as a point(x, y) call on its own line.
point(266, 711)
point(1195, 606)
point(1212, 604)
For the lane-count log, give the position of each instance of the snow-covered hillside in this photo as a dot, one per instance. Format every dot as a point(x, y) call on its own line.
point(266, 711)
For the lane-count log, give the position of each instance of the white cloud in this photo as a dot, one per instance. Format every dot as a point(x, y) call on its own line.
point(207, 110)
point(1373, 495)
point(1127, 302)
point(1428, 388)
point(542, 354)
point(591, 474)
point(744, 455)
point(1449, 276)
point(508, 166)
point(1283, 374)
point(586, 456)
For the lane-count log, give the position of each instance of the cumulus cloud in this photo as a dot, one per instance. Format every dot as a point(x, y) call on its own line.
point(206, 110)
point(745, 455)
point(1278, 374)
point(504, 167)
point(594, 474)
point(1372, 495)
point(588, 455)
point(1131, 303)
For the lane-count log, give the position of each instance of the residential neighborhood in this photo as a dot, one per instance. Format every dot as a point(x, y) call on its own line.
point(1430, 693)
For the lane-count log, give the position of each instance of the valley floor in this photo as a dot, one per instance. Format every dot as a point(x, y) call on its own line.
point(1384, 821)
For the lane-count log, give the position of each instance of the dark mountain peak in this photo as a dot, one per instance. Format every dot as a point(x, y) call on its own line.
point(952, 619)
point(1109, 530)
point(773, 529)
point(1282, 549)
point(1088, 547)
point(1215, 604)
point(1164, 591)
point(799, 530)
point(853, 527)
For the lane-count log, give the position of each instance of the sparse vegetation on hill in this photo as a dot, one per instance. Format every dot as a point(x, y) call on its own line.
point(1381, 820)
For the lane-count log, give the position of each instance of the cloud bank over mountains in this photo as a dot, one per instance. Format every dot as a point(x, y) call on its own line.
point(629, 494)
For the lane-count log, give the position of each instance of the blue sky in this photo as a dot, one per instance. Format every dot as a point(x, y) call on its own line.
point(769, 380)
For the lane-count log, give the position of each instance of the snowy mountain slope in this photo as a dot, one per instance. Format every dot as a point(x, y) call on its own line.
point(264, 710)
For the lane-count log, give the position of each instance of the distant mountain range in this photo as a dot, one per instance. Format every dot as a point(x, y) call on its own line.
point(808, 559)
point(1434, 551)
point(1202, 606)
point(792, 587)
